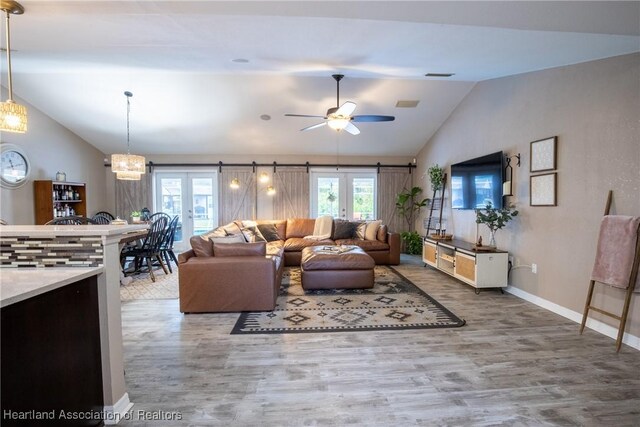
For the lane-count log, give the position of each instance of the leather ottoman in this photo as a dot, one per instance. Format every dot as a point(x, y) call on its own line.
point(335, 267)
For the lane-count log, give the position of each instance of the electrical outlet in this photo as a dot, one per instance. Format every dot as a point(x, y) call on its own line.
point(534, 268)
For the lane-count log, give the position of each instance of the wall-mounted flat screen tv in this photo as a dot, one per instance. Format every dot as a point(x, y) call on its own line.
point(476, 182)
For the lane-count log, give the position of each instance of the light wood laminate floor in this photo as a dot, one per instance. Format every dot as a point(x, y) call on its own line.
point(512, 364)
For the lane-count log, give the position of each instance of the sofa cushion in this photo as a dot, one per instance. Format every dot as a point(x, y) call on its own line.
point(275, 248)
point(296, 244)
point(382, 233)
point(367, 245)
point(270, 232)
point(343, 229)
point(239, 249)
point(371, 232)
point(300, 227)
point(361, 228)
point(281, 226)
point(234, 238)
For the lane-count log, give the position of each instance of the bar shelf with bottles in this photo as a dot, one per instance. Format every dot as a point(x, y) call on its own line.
point(59, 198)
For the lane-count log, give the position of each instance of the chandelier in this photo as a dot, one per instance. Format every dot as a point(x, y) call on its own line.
point(128, 167)
point(13, 116)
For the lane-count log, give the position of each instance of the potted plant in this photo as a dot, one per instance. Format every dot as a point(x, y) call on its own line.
point(436, 176)
point(409, 204)
point(495, 219)
point(135, 216)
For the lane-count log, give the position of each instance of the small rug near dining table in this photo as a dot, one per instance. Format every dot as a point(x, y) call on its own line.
point(393, 303)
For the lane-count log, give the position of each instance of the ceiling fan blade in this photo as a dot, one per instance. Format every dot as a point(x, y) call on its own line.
point(373, 118)
point(314, 126)
point(352, 129)
point(346, 109)
point(304, 115)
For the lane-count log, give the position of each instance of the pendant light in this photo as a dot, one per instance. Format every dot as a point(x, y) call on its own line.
point(13, 116)
point(128, 167)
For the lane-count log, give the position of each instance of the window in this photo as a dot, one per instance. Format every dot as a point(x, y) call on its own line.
point(344, 194)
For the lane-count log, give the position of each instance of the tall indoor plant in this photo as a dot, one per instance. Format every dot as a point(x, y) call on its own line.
point(409, 204)
point(495, 219)
point(436, 176)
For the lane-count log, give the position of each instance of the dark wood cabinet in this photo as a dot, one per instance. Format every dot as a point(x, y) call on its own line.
point(51, 358)
point(44, 200)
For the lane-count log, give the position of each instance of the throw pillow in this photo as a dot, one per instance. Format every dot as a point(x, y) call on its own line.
point(382, 233)
point(252, 234)
point(216, 232)
point(201, 247)
point(240, 249)
point(343, 229)
point(360, 230)
point(232, 228)
point(236, 238)
point(270, 232)
point(371, 232)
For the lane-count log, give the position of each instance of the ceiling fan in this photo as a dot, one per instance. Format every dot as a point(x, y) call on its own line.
point(339, 117)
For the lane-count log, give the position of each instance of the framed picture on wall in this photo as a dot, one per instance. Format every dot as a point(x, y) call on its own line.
point(543, 154)
point(543, 189)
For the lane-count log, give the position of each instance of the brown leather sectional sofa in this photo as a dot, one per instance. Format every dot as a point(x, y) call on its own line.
point(247, 276)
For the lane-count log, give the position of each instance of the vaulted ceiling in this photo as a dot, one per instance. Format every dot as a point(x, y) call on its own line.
point(74, 59)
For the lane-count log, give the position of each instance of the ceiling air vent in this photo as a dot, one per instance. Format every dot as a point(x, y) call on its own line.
point(440, 74)
point(407, 104)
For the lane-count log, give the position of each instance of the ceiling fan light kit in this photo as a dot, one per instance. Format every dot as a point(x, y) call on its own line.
point(340, 117)
point(128, 167)
point(13, 116)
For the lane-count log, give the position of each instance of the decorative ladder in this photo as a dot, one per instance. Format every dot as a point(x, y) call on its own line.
point(436, 205)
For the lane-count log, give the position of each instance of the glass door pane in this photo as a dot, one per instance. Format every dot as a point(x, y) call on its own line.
point(363, 201)
point(193, 197)
point(328, 196)
point(205, 209)
point(170, 190)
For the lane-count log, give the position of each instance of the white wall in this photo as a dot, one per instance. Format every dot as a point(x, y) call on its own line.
point(52, 148)
point(594, 109)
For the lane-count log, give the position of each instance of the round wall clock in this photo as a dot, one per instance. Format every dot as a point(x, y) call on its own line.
point(15, 166)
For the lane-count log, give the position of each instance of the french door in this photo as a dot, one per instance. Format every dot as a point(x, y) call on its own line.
point(348, 195)
point(193, 197)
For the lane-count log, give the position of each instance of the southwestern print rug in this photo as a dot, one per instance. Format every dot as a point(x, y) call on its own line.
point(393, 303)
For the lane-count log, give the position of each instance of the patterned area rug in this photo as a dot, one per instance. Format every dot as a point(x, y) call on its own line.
point(393, 303)
point(141, 287)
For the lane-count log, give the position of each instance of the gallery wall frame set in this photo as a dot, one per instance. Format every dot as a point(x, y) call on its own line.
point(543, 187)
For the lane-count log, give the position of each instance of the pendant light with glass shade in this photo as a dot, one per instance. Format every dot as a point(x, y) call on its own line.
point(13, 116)
point(128, 167)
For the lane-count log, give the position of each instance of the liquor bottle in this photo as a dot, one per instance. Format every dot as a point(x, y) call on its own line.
point(76, 195)
point(66, 210)
point(55, 211)
point(69, 193)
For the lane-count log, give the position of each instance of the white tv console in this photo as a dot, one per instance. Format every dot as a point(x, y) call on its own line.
point(460, 259)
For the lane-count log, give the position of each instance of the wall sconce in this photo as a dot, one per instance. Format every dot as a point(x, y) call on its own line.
point(235, 183)
point(507, 186)
point(264, 177)
point(271, 191)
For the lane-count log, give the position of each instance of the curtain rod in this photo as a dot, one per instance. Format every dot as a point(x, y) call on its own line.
point(275, 165)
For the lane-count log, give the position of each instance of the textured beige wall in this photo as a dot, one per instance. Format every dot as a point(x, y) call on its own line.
point(52, 148)
point(594, 109)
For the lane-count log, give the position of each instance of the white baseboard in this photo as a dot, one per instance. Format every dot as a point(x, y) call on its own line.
point(596, 325)
point(113, 414)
